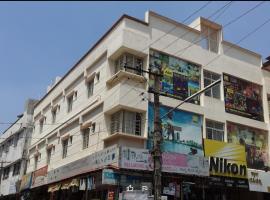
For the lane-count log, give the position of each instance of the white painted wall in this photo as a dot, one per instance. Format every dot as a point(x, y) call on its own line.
point(134, 37)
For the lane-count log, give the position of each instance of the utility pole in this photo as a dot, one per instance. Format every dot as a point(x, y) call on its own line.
point(156, 153)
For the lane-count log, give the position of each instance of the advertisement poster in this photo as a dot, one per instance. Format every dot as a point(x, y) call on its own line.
point(258, 181)
point(255, 142)
point(180, 78)
point(133, 158)
point(26, 181)
point(226, 159)
point(242, 97)
point(109, 177)
point(181, 131)
point(40, 177)
point(171, 162)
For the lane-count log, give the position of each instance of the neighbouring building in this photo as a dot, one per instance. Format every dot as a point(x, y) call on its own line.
point(14, 143)
point(93, 129)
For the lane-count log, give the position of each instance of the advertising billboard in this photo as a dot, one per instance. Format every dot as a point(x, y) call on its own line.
point(40, 177)
point(180, 78)
point(226, 159)
point(133, 158)
point(255, 142)
point(242, 97)
point(181, 131)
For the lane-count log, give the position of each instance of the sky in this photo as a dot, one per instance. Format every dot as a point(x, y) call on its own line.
point(42, 40)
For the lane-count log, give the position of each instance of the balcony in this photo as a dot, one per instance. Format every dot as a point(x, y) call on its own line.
point(126, 129)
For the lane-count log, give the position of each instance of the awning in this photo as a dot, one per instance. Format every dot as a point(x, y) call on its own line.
point(53, 188)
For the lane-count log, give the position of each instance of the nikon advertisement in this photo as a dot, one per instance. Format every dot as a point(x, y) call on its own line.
point(226, 159)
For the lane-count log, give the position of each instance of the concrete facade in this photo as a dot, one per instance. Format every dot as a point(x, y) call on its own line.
point(14, 144)
point(122, 90)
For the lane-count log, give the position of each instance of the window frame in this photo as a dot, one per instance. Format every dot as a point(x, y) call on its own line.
point(69, 103)
point(90, 87)
point(214, 130)
point(64, 148)
point(211, 80)
point(16, 169)
point(85, 137)
point(49, 155)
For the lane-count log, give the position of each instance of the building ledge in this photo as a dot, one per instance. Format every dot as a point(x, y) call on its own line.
point(116, 78)
point(118, 135)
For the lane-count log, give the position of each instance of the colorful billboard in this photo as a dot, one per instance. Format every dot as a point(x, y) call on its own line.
point(181, 131)
point(226, 159)
point(133, 158)
point(180, 78)
point(243, 98)
point(255, 142)
point(40, 177)
point(26, 181)
point(258, 181)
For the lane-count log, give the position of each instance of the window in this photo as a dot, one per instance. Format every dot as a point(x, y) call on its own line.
point(97, 76)
point(268, 101)
point(90, 88)
point(126, 122)
point(86, 138)
point(6, 173)
point(214, 130)
point(41, 124)
point(210, 77)
point(49, 154)
point(54, 115)
point(65, 148)
point(93, 127)
point(210, 39)
point(69, 103)
point(36, 162)
point(16, 169)
point(16, 138)
point(129, 61)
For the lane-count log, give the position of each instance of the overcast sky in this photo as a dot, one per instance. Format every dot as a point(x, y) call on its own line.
point(42, 40)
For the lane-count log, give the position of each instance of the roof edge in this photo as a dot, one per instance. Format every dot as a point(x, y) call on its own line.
point(124, 16)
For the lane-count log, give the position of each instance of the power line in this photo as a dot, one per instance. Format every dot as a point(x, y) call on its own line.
point(226, 25)
point(188, 31)
point(172, 29)
point(195, 12)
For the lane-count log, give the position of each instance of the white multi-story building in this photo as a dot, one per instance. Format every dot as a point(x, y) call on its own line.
point(13, 150)
point(99, 102)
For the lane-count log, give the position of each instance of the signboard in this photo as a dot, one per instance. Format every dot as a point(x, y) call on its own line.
point(242, 97)
point(185, 164)
point(219, 181)
point(109, 177)
point(226, 159)
point(255, 142)
point(258, 180)
point(180, 78)
point(132, 158)
point(181, 131)
point(171, 162)
point(132, 195)
point(40, 177)
point(26, 181)
point(108, 156)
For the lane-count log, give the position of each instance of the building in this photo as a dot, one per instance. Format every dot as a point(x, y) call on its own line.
point(94, 127)
point(13, 150)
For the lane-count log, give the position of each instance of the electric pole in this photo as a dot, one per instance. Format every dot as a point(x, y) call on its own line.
point(156, 153)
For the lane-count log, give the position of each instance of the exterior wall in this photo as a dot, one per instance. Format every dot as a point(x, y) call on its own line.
point(113, 92)
point(18, 152)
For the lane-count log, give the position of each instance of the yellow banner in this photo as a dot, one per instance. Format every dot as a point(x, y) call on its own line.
point(226, 159)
